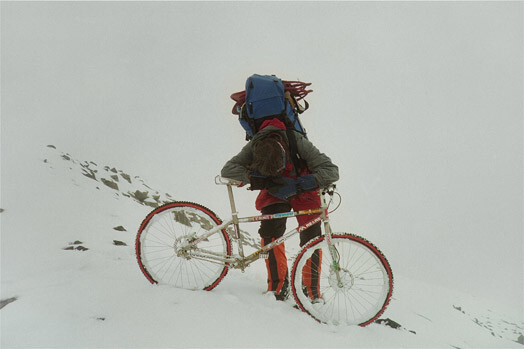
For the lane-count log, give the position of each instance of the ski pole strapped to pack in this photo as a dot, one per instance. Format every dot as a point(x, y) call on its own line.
point(267, 97)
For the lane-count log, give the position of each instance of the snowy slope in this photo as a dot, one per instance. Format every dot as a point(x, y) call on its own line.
point(70, 280)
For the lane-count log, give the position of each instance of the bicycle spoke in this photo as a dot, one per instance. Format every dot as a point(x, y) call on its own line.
point(172, 227)
point(354, 292)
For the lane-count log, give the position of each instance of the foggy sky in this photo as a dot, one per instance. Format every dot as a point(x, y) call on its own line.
point(419, 103)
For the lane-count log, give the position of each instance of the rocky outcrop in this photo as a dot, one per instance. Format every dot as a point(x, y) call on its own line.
point(6, 301)
point(117, 180)
point(76, 246)
point(495, 324)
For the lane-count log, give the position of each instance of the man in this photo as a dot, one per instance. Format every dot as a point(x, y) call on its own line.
point(266, 163)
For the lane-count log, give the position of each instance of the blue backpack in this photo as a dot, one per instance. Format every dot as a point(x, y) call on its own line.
point(268, 97)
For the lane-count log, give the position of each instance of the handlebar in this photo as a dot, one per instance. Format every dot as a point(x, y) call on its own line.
point(219, 180)
point(329, 190)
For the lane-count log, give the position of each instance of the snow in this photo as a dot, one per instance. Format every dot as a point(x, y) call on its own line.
point(418, 103)
point(99, 298)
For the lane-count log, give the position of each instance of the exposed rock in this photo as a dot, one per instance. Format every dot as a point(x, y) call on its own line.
point(494, 324)
point(182, 218)
point(120, 228)
point(6, 301)
point(202, 221)
point(138, 187)
point(393, 324)
point(78, 247)
point(89, 173)
point(388, 322)
point(119, 243)
point(109, 183)
point(126, 177)
point(1, 210)
point(459, 309)
point(51, 146)
point(140, 195)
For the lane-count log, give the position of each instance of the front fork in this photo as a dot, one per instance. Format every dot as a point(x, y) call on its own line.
point(236, 226)
point(327, 231)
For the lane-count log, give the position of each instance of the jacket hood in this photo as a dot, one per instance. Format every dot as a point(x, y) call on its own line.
point(273, 122)
point(270, 126)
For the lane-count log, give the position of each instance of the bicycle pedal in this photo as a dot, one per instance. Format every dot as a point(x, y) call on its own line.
point(263, 255)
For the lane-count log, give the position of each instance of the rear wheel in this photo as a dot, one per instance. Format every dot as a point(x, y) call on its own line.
point(351, 284)
point(171, 226)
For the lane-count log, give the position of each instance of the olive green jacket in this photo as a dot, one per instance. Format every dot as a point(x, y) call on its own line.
point(319, 164)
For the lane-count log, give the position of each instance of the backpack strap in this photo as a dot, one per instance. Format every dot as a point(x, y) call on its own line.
point(298, 163)
point(294, 103)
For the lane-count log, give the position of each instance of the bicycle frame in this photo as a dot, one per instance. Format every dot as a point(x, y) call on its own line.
point(337, 278)
point(241, 261)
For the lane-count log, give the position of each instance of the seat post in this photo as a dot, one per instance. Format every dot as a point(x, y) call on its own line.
point(234, 214)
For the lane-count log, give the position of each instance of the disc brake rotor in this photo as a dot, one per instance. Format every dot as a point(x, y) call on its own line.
point(346, 279)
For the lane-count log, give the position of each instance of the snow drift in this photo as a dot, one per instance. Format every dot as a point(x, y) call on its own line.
point(70, 279)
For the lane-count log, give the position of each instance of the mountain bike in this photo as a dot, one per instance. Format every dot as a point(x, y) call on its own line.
point(337, 278)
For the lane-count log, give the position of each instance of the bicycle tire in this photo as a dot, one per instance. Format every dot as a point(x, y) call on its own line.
point(365, 287)
point(165, 228)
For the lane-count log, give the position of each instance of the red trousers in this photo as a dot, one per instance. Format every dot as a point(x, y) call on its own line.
point(276, 263)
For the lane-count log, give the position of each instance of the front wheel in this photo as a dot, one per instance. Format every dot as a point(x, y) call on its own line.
point(347, 282)
point(159, 241)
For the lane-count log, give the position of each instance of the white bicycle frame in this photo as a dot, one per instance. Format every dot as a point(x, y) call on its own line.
point(190, 249)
